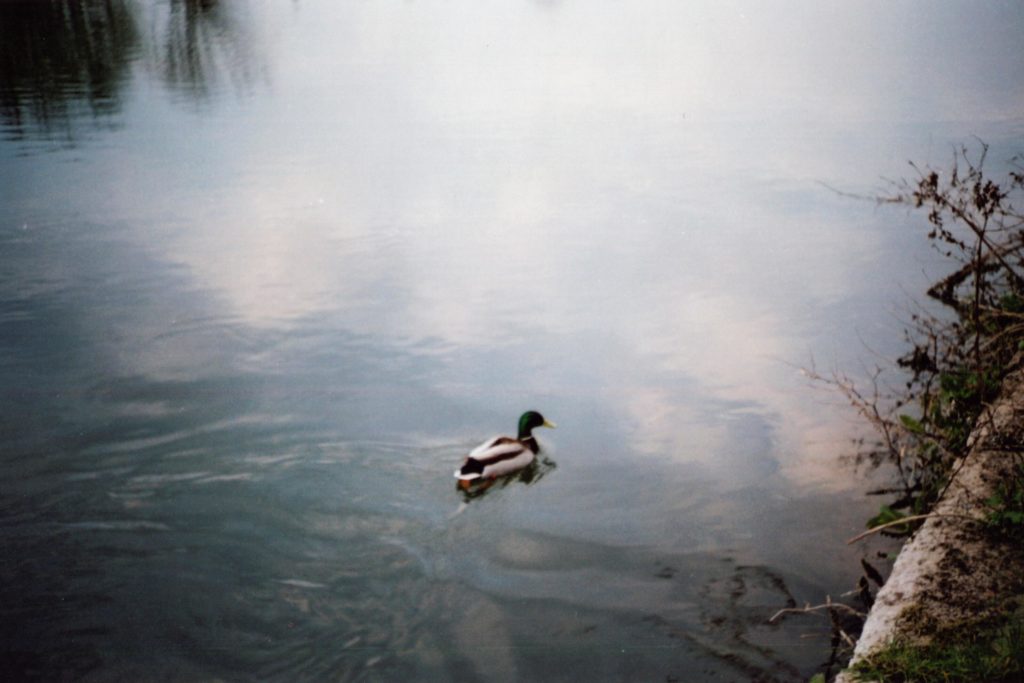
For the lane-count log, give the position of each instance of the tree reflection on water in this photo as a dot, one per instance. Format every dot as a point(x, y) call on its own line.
point(60, 60)
point(65, 65)
point(200, 43)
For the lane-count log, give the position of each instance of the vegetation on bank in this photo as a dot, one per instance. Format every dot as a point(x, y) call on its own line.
point(959, 354)
point(959, 654)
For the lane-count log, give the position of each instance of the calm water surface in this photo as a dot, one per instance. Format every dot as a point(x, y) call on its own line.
point(267, 270)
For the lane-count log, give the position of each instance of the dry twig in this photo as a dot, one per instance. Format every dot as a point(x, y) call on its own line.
point(807, 609)
point(906, 520)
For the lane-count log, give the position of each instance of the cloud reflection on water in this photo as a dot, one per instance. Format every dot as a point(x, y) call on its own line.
point(458, 185)
point(685, 297)
point(528, 177)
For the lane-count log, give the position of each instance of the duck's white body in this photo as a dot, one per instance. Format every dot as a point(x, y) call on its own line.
point(496, 457)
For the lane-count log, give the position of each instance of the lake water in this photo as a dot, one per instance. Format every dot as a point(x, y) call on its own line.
point(268, 270)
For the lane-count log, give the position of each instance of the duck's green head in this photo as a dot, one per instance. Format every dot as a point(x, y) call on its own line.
point(529, 421)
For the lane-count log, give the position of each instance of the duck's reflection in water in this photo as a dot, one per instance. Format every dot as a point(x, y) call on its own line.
point(531, 474)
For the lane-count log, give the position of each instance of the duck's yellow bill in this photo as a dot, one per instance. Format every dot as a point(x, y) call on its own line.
point(549, 424)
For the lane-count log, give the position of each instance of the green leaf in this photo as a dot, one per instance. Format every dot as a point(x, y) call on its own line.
point(885, 515)
point(911, 424)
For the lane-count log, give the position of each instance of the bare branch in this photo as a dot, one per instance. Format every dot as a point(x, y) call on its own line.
point(808, 609)
point(905, 520)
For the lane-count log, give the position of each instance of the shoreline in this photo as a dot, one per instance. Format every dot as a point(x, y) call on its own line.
point(952, 575)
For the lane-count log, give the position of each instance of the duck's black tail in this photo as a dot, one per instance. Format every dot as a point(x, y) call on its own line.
point(472, 469)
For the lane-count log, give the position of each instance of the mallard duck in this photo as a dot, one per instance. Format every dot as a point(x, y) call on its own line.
point(503, 454)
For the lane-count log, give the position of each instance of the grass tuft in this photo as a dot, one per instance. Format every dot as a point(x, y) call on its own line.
point(983, 656)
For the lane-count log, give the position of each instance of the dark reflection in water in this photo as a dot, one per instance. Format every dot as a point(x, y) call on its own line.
point(64, 64)
point(60, 59)
point(201, 43)
point(530, 474)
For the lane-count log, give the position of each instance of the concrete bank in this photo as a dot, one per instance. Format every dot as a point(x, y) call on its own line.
point(951, 574)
